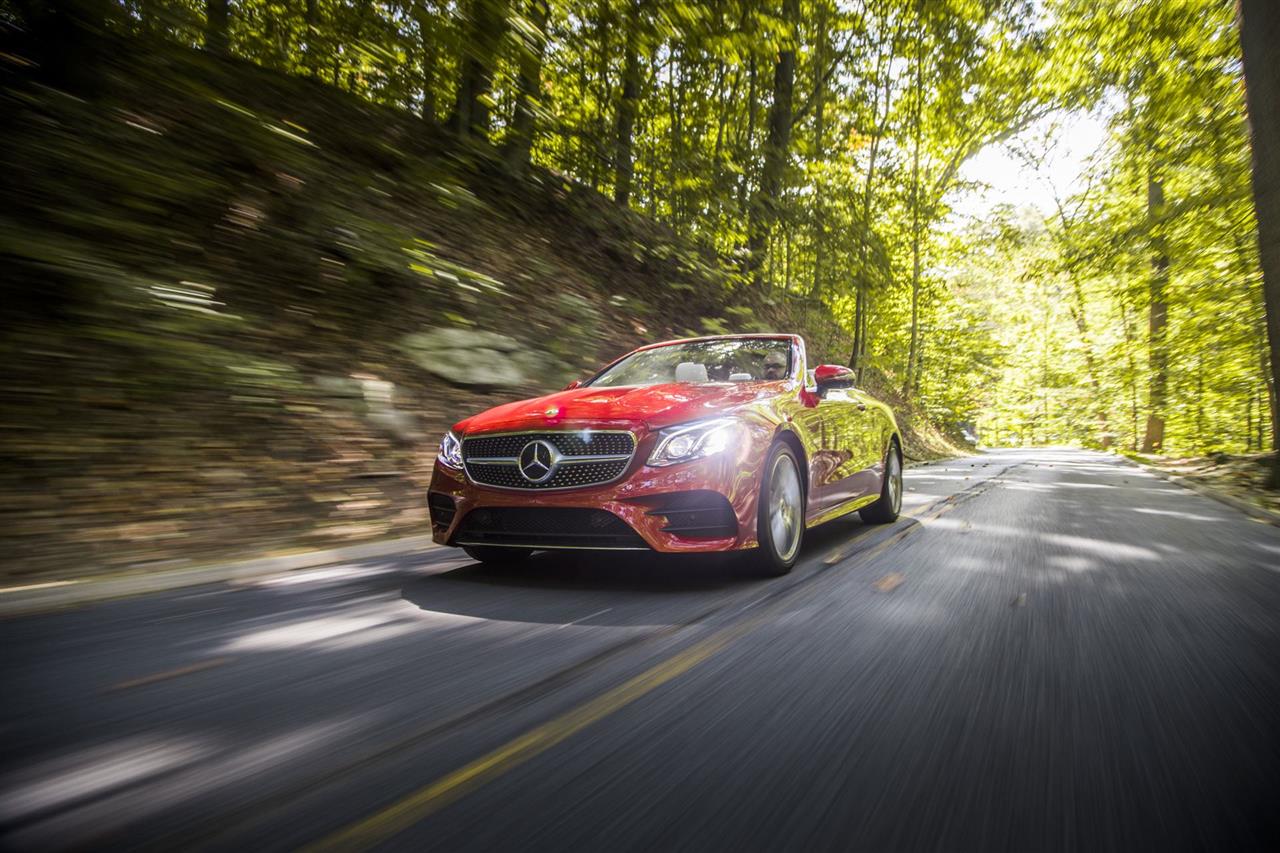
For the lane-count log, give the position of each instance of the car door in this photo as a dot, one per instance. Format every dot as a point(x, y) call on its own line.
point(822, 444)
point(865, 444)
point(844, 418)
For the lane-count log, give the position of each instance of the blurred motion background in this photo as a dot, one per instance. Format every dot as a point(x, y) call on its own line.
point(258, 255)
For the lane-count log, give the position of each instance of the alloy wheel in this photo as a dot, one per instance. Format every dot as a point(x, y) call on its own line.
point(786, 510)
point(894, 475)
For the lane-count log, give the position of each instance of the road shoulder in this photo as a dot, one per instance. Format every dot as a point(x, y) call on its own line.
point(37, 597)
point(1201, 487)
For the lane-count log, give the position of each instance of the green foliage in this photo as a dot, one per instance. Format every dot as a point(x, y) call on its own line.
point(210, 235)
point(1071, 294)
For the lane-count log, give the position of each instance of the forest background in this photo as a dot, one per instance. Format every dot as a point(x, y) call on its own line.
point(260, 253)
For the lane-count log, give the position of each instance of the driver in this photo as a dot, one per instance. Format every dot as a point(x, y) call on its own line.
point(775, 366)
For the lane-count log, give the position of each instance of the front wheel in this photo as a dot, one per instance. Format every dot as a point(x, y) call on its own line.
point(885, 510)
point(496, 555)
point(780, 523)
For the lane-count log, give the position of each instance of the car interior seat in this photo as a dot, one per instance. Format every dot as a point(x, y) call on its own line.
point(691, 371)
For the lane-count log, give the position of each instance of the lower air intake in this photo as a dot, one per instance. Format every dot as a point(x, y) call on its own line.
point(695, 515)
point(547, 527)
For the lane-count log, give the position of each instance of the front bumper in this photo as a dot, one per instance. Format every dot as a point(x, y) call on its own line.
point(668, 508)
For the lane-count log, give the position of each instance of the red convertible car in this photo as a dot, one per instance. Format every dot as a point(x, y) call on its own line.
point(707, 444)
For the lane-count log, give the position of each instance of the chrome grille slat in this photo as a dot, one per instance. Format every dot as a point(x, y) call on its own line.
point(587, 458)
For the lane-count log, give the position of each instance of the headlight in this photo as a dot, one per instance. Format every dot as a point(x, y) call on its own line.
point(450, 454)
point(693, 441)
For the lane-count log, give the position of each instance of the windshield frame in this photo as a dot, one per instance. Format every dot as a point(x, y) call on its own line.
point(794, 344)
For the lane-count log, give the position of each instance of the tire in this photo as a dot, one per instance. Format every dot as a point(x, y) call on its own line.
point(497, 555)
point(781, 513)
point(885, 510)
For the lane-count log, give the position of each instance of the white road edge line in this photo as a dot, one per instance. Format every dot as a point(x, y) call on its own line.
point(584, 618)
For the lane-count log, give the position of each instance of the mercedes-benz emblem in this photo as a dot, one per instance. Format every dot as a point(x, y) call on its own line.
point(538, 461)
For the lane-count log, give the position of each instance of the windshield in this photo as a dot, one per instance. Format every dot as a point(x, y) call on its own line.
point(698, 362)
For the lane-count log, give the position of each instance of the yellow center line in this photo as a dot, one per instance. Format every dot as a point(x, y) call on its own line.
point(425, 801)
point(199, 666)
point(30, 586)
point(420, 804)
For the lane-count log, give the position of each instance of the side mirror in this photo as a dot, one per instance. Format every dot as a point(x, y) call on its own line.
point(574, 384)
point(828, 376)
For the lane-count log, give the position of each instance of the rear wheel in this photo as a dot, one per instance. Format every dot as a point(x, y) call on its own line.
point(885, 510)
point(780, 524)
point(497, 555)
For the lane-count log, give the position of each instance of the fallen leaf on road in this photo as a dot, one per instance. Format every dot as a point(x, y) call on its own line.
point(889, 582)
point(1019, 600)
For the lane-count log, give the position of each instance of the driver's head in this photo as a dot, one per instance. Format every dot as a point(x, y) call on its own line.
point(775, 366)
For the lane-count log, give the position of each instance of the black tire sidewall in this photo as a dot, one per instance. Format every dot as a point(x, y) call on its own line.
point(894, 453)
point(882, 511)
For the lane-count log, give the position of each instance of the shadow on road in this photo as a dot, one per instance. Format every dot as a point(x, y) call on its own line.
point(594, 588)
point(620, 588)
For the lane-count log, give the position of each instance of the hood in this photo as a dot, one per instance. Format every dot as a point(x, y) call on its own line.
point(650, 406)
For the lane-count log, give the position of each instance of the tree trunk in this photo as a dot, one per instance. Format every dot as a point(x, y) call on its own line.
point(520, 142)
point(485, 26)
point(1201, 431)
point(674, 161)
point(628, 106)
point(1077, 311)
point(1129, 340)
point(863, 302)
point(310, 26)
point(913, 351)
point(914, 347)
point(744, 146)
point(1248, 424)
point(1158, 320)
point(723, 182)
point(764, 207)
point(864, 334)
point(819, 149)
point(427, 37)
point(357, 38)
point(858, 308)
point(1259, 35)
point(600, 165)
point(1269, 390)
point(786, 267)
point(215, 26)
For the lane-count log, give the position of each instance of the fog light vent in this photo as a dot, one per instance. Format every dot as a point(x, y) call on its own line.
point(442, 509)
point(696, 515)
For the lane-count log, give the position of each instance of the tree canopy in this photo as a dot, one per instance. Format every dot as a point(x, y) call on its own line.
point(819, 147)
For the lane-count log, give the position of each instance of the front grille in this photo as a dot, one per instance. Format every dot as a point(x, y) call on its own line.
point(577, 443)
point(546, 527)
point(501, 452)
point(566, 476)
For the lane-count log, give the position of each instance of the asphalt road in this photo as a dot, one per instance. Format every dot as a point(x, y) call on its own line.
point(1052, 650)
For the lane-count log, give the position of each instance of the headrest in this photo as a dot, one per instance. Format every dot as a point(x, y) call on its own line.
point(691, 371)
point(740, 377)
